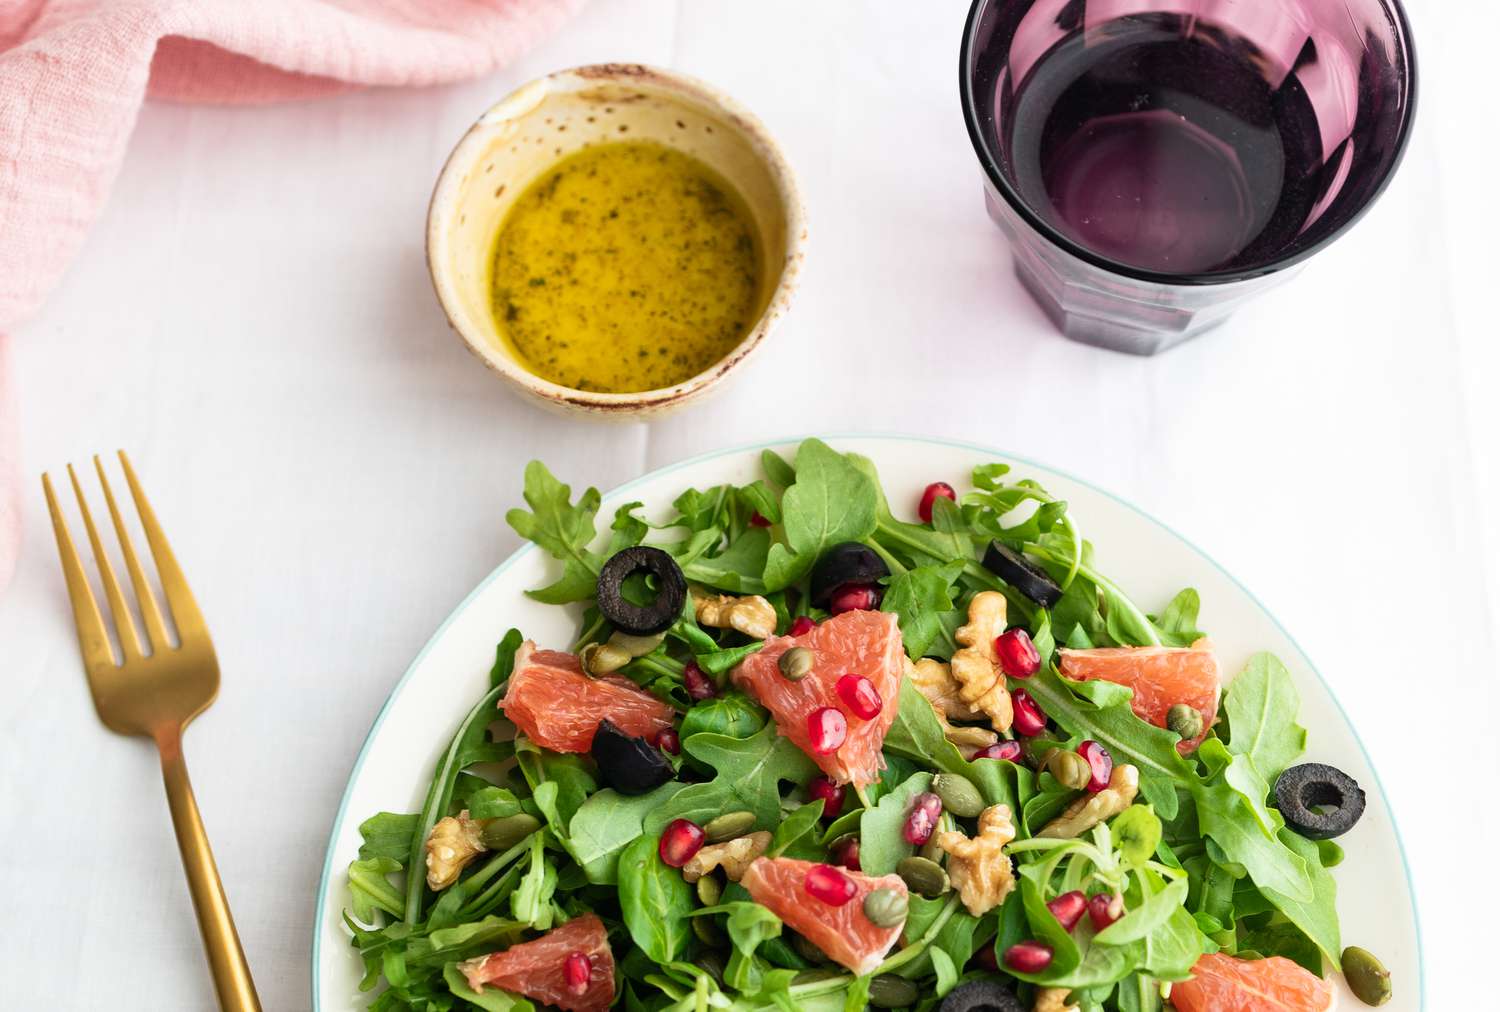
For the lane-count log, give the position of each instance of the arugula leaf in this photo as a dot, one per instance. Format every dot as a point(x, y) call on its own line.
point(562, 530)
point(1177, 625)
point(559, 783)
point(1226, 815)
point(387, 834)
point(1317, 917)
point(491, 999)
point(916, 734)
point(830, 502)
point(531, 903)
point(748, 924)
point(609, 821)
point(919, 598)
point(370, 888)
point(881, 845)
point(733, 713)
point(780, 473)
point(1151, 913)
point(505, 657)
point(738, 568)
point(749, 774)
point(804, 820)
point(1261, 704)
point(655, 901)
point(493, 803)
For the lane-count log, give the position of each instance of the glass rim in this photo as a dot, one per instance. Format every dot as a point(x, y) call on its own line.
point(1191, 279)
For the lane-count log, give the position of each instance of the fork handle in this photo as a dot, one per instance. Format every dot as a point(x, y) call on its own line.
point(221, 943)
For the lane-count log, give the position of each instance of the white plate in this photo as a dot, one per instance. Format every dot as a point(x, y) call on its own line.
point(1150, 561)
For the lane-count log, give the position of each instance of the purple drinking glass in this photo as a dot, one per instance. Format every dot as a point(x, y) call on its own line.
point(1155, 163)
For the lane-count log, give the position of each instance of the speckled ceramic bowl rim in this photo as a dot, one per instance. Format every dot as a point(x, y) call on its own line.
point(467, 150)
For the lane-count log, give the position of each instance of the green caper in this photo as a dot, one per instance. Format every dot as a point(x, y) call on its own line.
point(923, 877)
point(729, 826)
point(796, 664)
point(959, 796)
point(1367, 976)
point(711, 962)
point(710, 891)
point(603, 658)
point(707, 931)
point(886, 908)
point(503, 834)
point(1069, 769)
point(1184, 721)
point(891, 991)
point(807, 950)
point(635, 646)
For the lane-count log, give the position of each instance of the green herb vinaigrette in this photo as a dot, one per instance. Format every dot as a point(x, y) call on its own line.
point(627, 266)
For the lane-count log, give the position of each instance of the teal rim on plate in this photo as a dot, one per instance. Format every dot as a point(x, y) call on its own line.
point(325, 879)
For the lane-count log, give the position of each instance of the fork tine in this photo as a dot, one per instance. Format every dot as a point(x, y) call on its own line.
point(156, 629)
point(130, 644)
point(93, 640)
point(185, 613)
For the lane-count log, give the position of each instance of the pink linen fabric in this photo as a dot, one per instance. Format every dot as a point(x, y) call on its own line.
point(73, 74)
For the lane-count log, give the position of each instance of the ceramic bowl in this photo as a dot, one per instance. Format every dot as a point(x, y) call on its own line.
point(526, 133)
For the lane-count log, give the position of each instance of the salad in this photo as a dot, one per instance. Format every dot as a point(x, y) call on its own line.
point(805, 754)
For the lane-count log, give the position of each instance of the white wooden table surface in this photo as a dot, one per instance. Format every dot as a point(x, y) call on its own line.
point(252, 319)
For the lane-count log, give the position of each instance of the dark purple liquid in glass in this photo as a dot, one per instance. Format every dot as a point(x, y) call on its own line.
point(1164, 144)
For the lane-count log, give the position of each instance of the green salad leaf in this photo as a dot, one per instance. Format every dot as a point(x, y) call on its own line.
point(831, 501)
point(563, 530)
point(655, 901)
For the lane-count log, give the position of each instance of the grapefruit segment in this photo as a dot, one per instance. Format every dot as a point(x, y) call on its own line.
point(862, 643)
point(841, 931)
point(1223, 983)
point(538, 969)
point(1158, 676)
point(559, 707)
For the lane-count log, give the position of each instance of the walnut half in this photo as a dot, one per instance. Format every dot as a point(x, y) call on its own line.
point(1091, 809)
point(754, 615)
point(976, 666)
point(734, 856)
point(979, 867)
point(934, 681)
point(1053, 999)
point(451, 846)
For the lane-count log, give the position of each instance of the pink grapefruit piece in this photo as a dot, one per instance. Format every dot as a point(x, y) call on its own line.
point(1159, 677)
point(842, 932)
point(1223, 983)
point(559, 707)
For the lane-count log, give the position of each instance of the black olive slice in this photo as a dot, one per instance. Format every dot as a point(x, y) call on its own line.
point(1022, 574)
point(671, 591)
point(849, 562)
point(982, 996)
point(1318, 801)
point(629, 765)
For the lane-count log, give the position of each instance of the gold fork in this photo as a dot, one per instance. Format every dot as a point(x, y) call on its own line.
point(155, 695)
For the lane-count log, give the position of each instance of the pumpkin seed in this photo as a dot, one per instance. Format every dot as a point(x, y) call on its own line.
point(796, 664)
point(707, 931)
point(923, 877)
point(710, 891)
point(603, 658)
point(886, 908)
point(891, 991)
point(1185, 721)
point(1367, 976)
point(729, 826)
point(635, 646)
point(959, 796)
point(1069, 769)
point(503, 834)
point(711, 961)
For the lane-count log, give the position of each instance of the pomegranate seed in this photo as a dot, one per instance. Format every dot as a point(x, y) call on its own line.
point(1101, 765)
point(801, 626)
point(1028, 957)
point(930, 494)
point(756, 520)
point(985, 957)
point(680, 841)
point(1018, 655)
point(846, 853)
point(1010, 750)
point(699, 685)
point(577, 969)
point(827, 729)
point(831, 794)
point(1105, 909)
point(1068, 908)
point(860, 696)
point(668, 740)
point(1029, 719)
point(922, 819)
point(854, 597)
point(829, 884)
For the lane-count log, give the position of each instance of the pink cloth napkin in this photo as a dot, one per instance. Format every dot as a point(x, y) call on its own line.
point(73, 74)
